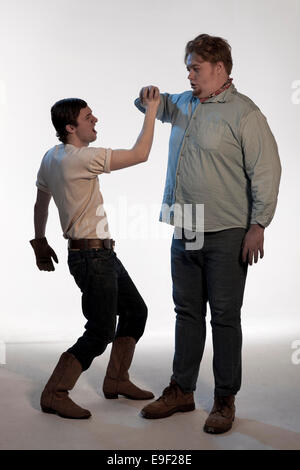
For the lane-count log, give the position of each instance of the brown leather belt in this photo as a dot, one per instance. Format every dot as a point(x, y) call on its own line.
point(88, 243)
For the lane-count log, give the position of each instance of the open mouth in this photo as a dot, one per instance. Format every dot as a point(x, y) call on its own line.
point(94, 130)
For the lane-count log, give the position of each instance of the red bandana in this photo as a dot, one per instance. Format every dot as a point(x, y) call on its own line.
point(223, 87)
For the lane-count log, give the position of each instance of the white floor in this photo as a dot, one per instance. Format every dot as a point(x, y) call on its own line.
point(268, 404)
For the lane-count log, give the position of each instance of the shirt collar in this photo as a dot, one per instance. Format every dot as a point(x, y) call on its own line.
point(223, 97)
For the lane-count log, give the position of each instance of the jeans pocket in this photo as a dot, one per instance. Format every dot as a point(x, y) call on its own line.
point(77, 268)
point(102, 262)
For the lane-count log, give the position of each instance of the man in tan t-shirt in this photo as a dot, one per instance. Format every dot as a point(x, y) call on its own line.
point(69, 173)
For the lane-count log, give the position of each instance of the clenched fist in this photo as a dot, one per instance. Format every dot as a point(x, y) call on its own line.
point(150, 96)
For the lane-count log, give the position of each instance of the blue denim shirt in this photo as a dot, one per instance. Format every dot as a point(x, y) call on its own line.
point(223, 156)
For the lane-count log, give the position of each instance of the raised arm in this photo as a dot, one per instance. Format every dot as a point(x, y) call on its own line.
point(139, 153)
point(166, 107)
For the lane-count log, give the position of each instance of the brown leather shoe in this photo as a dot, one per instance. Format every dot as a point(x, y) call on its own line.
point(55, 397)
point(116, 381)
point(221, 416)
point(172, 400)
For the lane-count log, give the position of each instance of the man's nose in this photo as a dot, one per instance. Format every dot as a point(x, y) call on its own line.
point(190, 76)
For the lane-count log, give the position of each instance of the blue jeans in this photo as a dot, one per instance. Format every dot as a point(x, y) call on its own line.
point(217, 274)
point(107, 291)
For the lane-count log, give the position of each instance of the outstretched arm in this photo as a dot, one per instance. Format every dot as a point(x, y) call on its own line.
point(166, 108)
point(139, 153)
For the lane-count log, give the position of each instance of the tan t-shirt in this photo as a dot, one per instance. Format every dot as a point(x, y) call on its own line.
point(70, 175)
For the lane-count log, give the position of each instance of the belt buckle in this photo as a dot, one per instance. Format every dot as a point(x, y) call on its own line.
point(108, 244)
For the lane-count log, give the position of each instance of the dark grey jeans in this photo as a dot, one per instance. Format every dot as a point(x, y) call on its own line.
point(107, 292)
point(217, 274)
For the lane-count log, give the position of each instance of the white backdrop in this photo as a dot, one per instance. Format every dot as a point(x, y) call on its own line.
point(104, 52)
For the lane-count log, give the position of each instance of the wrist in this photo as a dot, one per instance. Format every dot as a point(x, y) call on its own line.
point(257, 226)
point(151, 108)
point(38, 241)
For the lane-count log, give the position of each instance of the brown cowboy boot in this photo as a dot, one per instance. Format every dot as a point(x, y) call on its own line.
point(221, 416)
point(172, 400)
point(55, 397)
point(116, 381)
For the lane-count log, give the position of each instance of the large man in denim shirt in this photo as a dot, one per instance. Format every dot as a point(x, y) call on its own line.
point(222, 157)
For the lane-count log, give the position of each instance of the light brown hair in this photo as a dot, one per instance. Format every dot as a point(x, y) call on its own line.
point(212, 49)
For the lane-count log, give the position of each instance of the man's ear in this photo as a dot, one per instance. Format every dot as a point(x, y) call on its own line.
point(220, 66)
point(70, 128)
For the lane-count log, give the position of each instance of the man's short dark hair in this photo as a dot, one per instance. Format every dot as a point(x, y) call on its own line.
point(212, 49)
point(65, 112)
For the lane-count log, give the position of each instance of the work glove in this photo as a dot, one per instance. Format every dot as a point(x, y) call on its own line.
point(43, 254)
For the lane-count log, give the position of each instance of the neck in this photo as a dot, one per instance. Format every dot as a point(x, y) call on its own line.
point(77, 142)
point(205, 93)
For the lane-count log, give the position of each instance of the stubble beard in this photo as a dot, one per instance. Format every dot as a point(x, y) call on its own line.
point(197, 92)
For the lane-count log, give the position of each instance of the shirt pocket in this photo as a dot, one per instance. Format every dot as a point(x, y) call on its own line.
point(209, 132)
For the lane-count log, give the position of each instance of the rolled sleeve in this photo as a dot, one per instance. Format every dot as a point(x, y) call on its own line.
point(165, 108)
point(262, 165)
point(100, 160)
point(138, 104)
